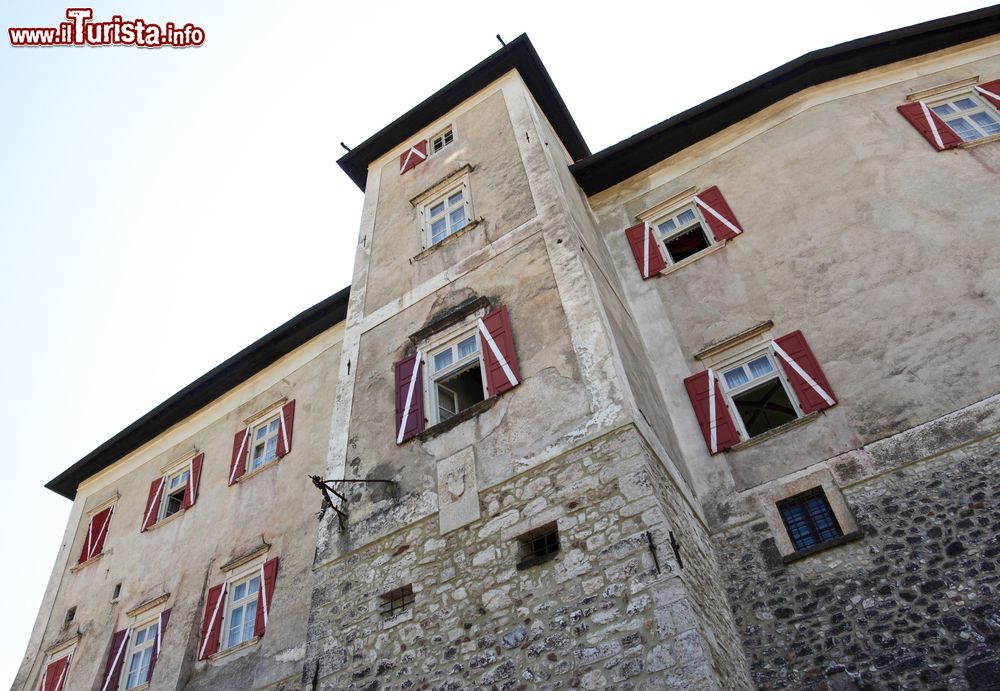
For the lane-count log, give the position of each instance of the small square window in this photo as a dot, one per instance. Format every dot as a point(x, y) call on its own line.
point(809, 519)
point(758, 395)
point(174, 486)
point(140, 655)
point(456, 380)
point(446, 214)
point(264, 442)
point(538, 546)
point(241, 613)
point(442, 140)
point(396, 602)
point(968, 117)
point(682, 234)
point(70, 616)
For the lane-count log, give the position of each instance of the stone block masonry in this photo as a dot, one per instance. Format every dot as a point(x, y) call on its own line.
point(598, 615)
point(914, 605)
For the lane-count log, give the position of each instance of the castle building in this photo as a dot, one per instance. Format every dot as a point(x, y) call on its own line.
point(714, 408)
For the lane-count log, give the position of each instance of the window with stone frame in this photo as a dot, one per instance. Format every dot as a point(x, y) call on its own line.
point(809, 519)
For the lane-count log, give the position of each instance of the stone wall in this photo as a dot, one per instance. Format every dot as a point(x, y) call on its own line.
point(598, 615)
point(915, 604)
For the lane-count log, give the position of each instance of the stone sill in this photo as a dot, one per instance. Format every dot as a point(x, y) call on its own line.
point(822, 547)
point(236, 648)
point(257, 471)
point(398, 619)
point(455, 420)
point(776, 432)
point(84, 564)
point(977, 142)
point(467, 228)
point(164, 521)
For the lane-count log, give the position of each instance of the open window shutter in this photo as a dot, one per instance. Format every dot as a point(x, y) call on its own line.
point(116, 660)
point(927, 123)
point(152, 504)
point(717, 214)
point(712, 412)
point(160, 628)
point(54, 678)
point(97, 531)
point(285, 433)
point(645, 249)
point(803, 371)
point(414, 156)
point(211, 625)
point(241, 449)
point(409, 398)
point(499, 358)
point(990, 91)
point(269, 573)
point(194, 479)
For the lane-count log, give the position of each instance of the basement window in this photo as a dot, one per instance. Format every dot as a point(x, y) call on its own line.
point(538, 546)
point(396, 602)
point(758, 394)
point(809, 519)
point(682, 234)
point(456, 377)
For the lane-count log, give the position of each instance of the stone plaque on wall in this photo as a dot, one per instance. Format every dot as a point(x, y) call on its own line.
point(458, 493)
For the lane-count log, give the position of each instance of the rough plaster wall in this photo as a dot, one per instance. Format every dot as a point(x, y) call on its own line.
point(182, 556)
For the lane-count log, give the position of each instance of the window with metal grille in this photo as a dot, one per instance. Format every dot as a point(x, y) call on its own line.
point(538, 546)
point(395, 602)
point(809, 519)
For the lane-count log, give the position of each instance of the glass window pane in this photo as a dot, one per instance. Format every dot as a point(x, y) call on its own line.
point(667, 226)
point(760, 366)
point(455, 198)
point(943, 109)
point(686, 217)
point(965, 104)
point(458, 218)
point(437, 209)
point(253, 586)
point(443, 359)
point(736, 377)
point(239, 592)
point(963, 129)
point(248, 620)
point(989, 124)
point(467, 347)
point(272, 448)
point(235, 624)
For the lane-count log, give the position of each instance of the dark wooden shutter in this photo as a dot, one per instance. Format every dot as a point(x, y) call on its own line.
point(265, 596)
point(54, 678)
point(915, 115)
point(406, 369)
point(194, 480)
point(726, 434)
point(116, 661)
point(498, 379)
point(285, 432)
point(413, 156)
point(152, 511)
point(161, 627)
point(810, 400)
point(638, 236)
point(713, 199)
point(241, 450)
point(211, 625)
point(990, 91)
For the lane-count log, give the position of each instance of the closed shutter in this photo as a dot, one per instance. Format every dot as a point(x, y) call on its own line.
point(717, 214)
point(413, 157)
point(116, 660)
point(97, 531)
point(710, 408)
point(285, 432)
point(803, 372)
point(645, 249)
point(211, 625)
point(152, 511)
point(241, 449)
point(161, 626)
point(927, 123)
point(409, 398)
point(194, 479)
point(499, 357)
point(990, 91)
point(268, 576)
point(54, 678)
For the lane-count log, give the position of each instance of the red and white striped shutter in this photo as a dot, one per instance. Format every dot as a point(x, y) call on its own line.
point(269, 575)
point(285, 431)
point(194, 480)
point(211, 625)
point(413, 157)
point(927, 123)
point(161, 626)
point(409, 398)
point(718, 214)
point(710, 408)
point(645, 249)
point(54, 678)
point(116, 660)
point(241, 449)
point(152, 504)
point(499, 357)
point(97, 531)
point(803, 372)
point(991, 92)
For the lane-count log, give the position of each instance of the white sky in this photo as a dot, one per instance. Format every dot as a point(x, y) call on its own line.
point(162, 209)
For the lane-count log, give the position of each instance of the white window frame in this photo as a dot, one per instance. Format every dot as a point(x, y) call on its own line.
point(424, 209)
point(131, 650)
point(981, 107)
point(264, 421)
point(444, 341)
point(673, 213)
point(442, 135)
point(777, 372)
point(231, 604)
point(175, 470)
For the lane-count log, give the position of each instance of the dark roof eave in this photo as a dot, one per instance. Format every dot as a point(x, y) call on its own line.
point(205, 389)
point(518, 55)
point(621, 161)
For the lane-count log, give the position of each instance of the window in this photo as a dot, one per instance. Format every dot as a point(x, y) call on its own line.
point(809, 519)
point(141, 655)
point(175, 485)
point(538, 546)
point(758, 395)
point(242, 611)
point(264, 444)
point(396, 602)
point(266, 438)
point(446, 214)
point(682, 234)
point(70, 616)
point(173, 491)
point(456, 377)
point(116, 592)
point(968, 116)
point(442, 140)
